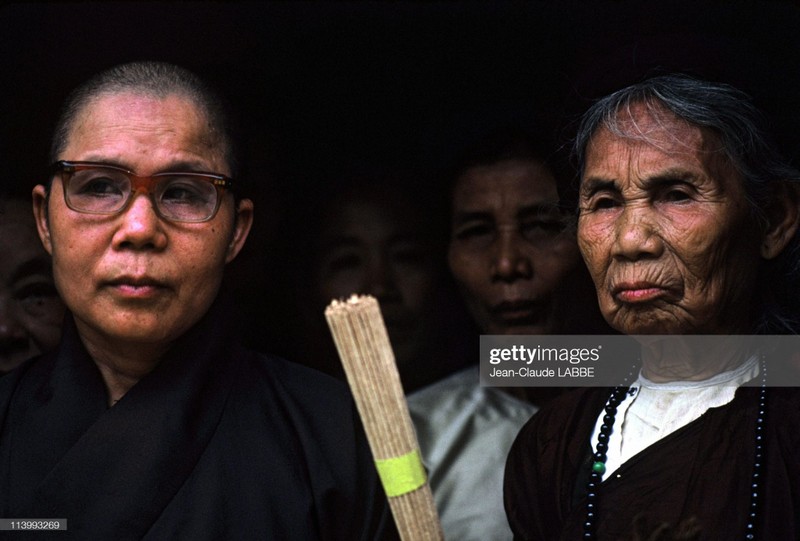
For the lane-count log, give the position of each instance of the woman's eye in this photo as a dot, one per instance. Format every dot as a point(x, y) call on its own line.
point(600, 203)
point(186, 193)
point(36, 291)
point(100, 186)
point(37, 296)
point(676, 196)
point(346, 261)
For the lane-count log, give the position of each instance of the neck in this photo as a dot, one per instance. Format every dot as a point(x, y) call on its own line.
point(667, 359)
point(118, 379)
point(121, 364)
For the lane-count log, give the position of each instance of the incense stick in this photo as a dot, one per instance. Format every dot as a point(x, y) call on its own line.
point(363, 344)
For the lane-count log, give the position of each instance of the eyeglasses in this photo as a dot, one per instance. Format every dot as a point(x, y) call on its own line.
point(98, 188)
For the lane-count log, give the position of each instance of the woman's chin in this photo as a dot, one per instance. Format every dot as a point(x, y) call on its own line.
point(640, 324)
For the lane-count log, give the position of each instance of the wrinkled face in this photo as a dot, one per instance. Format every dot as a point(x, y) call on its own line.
point(509, 250)
point(134, 277)
point(31, 311)
point(664, 228)
point(370, 247)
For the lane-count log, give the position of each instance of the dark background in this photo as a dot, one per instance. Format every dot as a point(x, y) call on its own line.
point(320, 81)
point(321, 86)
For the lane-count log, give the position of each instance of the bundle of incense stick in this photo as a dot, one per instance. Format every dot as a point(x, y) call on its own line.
point(363, 344)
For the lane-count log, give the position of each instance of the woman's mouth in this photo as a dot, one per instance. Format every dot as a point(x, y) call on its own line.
point(136, 287)
point(638, 292)
point(520, 312)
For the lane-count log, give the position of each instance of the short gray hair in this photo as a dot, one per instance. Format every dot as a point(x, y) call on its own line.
point(730, 114)
point(157, 79)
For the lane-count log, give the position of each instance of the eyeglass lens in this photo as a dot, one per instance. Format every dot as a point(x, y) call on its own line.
point(106, 191)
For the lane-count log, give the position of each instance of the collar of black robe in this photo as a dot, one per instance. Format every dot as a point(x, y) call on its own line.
point(113, 478)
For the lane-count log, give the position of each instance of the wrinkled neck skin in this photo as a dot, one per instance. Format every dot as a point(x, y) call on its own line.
point(667, 359)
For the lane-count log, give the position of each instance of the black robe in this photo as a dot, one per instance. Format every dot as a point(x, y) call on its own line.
point(702, 470)
point(217, 442)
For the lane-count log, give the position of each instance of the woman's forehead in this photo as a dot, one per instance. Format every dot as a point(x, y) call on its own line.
point(654, 124)
point(646, 138)
point(516, 179)
point(136, 130)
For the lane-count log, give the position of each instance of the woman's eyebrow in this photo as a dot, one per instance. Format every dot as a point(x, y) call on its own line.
point(667, 178)
point(187, 166)
point(592, 185)
point(670, 177)
point(178, 166)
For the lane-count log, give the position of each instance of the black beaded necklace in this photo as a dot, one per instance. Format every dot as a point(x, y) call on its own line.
point(598, 467)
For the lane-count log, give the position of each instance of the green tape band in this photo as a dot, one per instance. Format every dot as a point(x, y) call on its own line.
point(402, 474)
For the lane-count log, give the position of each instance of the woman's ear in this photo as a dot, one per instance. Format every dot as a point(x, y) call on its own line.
point(244, 221)
point(42, 219)
point(783, 214)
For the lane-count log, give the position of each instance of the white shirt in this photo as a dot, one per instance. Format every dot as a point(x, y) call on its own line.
point(656, 410)
point(465, 432)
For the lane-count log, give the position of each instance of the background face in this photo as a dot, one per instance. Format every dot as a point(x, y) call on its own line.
point(371, 246)
point(664, 228)
point(134, 277)
point(31, 311)
point(509, 250)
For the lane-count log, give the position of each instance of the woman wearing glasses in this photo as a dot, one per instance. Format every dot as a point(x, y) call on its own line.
point(150, 421)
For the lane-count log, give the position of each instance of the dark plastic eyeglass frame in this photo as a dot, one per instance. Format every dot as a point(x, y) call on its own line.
point(139, 184)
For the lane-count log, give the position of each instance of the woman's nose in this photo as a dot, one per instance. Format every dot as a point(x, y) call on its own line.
point(511, 260)
point(636, 234)
point(140, 226)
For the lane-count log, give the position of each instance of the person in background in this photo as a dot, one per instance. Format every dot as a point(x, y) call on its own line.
point(511, 251)
point(31, 312)
point(512, 248)
point(372, 235)
point(380, 232)
point(150, 420)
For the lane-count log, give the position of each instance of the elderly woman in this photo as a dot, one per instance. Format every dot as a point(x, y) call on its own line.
point(688, 224)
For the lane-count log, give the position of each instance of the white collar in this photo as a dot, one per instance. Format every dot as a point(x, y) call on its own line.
point(733, 378)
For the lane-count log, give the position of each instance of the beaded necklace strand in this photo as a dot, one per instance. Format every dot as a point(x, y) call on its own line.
point(598, 467)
